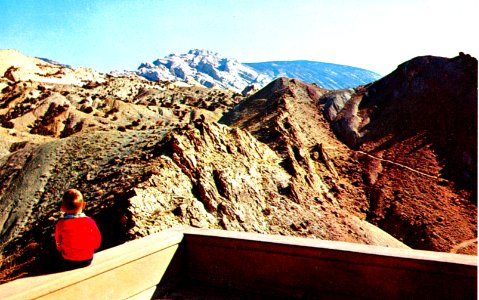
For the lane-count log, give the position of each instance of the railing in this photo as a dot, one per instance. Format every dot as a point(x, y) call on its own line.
point(261, 265)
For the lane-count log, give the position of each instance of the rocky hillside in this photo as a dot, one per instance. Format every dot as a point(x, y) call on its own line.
point(326, 75)
point(204, 67)
point(212, 70)
point(15, 66)
point(416, 130)
point(403, 152)
point(152, 155)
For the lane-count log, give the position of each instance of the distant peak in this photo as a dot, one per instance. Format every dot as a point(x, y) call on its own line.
point(202, 52)
point(212, 69)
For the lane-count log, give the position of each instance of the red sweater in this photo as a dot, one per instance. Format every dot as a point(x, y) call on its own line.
point(77, 237)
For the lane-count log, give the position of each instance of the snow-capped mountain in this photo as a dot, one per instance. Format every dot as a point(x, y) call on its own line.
point(212, 70)
point(205, 67)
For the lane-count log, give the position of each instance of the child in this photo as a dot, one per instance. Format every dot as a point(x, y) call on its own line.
point(76, 235)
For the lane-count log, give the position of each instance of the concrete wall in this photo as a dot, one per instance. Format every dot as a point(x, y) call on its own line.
point(305, 268)
point(131, 270)
point(271, 266)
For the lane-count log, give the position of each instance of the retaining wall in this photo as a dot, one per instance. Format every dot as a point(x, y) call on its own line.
point(263, 265)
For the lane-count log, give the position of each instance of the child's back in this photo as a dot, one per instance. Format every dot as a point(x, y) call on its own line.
point(76, 235)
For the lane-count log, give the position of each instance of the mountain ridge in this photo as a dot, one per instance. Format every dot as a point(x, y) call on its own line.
point(412, 136)
point(326, 75)
point(205, 67)
point(211, 70)
point(376, 164)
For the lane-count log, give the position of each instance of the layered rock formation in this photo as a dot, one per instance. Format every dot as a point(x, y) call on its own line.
point(416, 130)
point(411, 161)
point(291, 159)
point(15, 66)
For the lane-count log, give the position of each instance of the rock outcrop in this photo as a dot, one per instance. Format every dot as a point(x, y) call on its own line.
point(212, 70)
point(205, 67)
point(416, 133)
point(411, 161)
point(17, 67)
point(152, 155)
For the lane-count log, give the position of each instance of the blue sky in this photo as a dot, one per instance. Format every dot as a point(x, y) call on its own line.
point(118, 34)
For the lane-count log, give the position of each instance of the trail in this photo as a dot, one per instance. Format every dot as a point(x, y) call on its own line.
point(462, 245)
point(397, 164)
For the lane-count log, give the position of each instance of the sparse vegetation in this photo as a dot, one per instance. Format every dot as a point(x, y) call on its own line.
point(12, 264)
point(272, 164)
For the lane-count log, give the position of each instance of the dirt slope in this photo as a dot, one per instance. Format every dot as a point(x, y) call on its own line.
point(291, 159)
point(410, 167)
point(149, 156)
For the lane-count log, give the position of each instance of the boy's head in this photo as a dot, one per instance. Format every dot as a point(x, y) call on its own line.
point(72, 201)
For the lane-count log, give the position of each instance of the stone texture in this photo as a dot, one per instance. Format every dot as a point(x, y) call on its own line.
point(152, 155)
